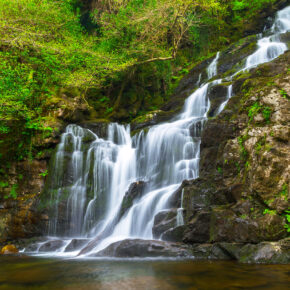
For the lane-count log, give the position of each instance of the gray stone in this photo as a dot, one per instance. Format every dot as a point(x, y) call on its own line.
point(144, 248)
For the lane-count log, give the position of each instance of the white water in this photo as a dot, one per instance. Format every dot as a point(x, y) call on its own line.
point(179, 216)
point(212, 68)
point(271, 47)
point(95, 173)
point(222, 106)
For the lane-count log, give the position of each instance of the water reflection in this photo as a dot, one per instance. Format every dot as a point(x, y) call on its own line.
point(40, 273)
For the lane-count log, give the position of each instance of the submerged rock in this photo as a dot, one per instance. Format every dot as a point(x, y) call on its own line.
point(144, 248)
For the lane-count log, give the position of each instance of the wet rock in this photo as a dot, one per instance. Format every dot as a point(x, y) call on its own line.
point(264, 253)
point(51, 246)
point(164, 221)
point(217, 95)
point(236, 53)
point(134, 192)
point(152, 118)
point(175, 200)
point(8, 250)
point(144, 248)
point(32, 248)
point(76, 244)
point(198, 228)
point(174, 234)
point(100, 128)
point(209, 252)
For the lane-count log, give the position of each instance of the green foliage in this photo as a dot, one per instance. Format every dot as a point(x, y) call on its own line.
point(13, 192)
point(241, 140)
point(261, 144)
point(269, 211)
point(257, 108)
point(266, 112)
point(287, 218)
point(4, 184)
point(43, 174)
point(253, 111)
point(284, 94)
point(268, 202)
point(237, 164)
point(247, 165)
point(243, 9)
point(45, 50)
point(258, 147)
point(284, 192)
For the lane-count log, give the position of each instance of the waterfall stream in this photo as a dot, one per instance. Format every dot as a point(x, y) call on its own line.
point(91, 175)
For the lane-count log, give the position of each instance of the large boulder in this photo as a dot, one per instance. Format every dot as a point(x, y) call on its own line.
point(51, 246)
point(264, 253)
point(75, 244)
point(144, 248)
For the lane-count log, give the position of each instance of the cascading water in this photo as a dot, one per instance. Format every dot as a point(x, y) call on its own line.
point(212, 68)
point(179, 216)
point(92, 175)
point(271, 47)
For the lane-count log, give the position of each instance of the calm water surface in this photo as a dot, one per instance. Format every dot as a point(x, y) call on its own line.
point(46, 273)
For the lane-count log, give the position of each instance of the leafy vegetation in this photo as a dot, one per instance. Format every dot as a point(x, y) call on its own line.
point(118, 54)
point(287, 216)
point(269, 211)
point(284, 192)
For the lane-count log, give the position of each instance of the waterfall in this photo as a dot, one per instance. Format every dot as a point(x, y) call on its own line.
point(179, 216)
point(271, 47)
point(212, 68)
point(91, 175)
point(222, 105)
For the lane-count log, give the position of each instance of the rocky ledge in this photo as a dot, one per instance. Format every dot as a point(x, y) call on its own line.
point(265, 252)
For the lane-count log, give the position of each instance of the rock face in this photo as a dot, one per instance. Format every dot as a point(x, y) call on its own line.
point(19, 218)
point(242, 195)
